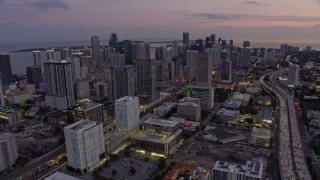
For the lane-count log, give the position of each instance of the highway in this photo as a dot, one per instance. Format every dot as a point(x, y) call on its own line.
point(292, 163)
point(42, 160)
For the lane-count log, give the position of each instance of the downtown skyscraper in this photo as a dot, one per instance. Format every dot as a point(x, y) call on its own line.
point(36, 58)
point(95, 43)
point(5, 68)
point(60, 84)
point(146, 79)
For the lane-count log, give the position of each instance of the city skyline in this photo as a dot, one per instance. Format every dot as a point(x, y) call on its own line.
point(268, 21)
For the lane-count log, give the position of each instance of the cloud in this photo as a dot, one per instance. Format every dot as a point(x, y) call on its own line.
point(48, 4)
point(256, 3)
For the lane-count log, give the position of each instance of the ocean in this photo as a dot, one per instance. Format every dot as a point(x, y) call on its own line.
point(20, 60)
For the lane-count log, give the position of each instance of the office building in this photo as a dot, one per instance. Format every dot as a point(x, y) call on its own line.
point(204, 70)
point(5, 69)
point(146, 80)
point(189, 73)
point(213, 39)
point(82, 89)
point(95, 44)
point(34, 75)
point(293, 75)
point(164, 109)
point(140, 51)
point(191, 58)
point(308, 48)
point(8, 150)
point(226, 71)
point(102, 89)
point(245, 57)
point(215, 51)
point(76, 69)
point(185, 38)
point(85, 144)
point(189, 110)
point(168, 55)
point(224, 170)
point(158, 137)
point(2, 102)
point(89, 111)
point(246, 44)
point(66, 54)
point(113, 40)
point(123, 81)
point(60, 84)
point(205, 94)
point(159, 53)
point(37, 58)
point(127, 113)
point(51, 55)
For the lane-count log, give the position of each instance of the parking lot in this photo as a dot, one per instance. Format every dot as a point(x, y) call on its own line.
point(144, 169)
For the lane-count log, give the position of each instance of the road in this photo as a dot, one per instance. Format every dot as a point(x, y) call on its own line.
point(291, 154)
point(42, 160)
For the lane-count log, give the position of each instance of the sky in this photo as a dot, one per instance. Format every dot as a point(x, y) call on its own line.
point(288, 21)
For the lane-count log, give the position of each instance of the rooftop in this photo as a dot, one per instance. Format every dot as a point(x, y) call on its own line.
point(83, 124)
point(156, 138)
point(88, 106)
point(126, 99)
point(172, 122)
point(189, 104)
point(227, 112)
point(61, 176)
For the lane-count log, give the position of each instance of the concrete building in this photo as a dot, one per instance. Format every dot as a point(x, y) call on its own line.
point(37, 58)
point(8, 150)
point(189, 73)
point(190, 99)
point(51, 55)
point(146, 80)
point(293, 75)
point(127, 113)
point(251, 170)
point(232, 104)
point(2, 102)
point(66, 54)
point(10, 117)
point(102, 89)
point(244, 98)
point(215, 52)
point(189, 110)
point(260, 137)
point(85, 144)
point(34, 75)
point(205, 94)
point(123, 81)
point(228, 115)
point(61, 176)
point(60, 84)
point(245, 57)
point(82, 89)
point(164, 109)
point(185, 38)
point(89, 111)
point(204, 70)
point(191, 58)
point(18, 96)
point(158, 137)
point(226, 71)
point(5, 69)
point(95, 44)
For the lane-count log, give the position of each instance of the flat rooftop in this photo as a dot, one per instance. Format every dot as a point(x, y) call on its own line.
point(88, 106)
point(61, 176)
point(261, 133)
point(172, 122)
point(189, 104)
point(126, 99)
point(227, 112)
point(83, 124)
point(145, 136)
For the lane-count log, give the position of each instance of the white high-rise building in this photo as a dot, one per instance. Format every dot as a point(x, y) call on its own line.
point(85, 144)
point(191, 58)
point(76, 68)
point(127, 113)
point(216, 54)
point(8, 150)
point(51, 55)
point(293, 75)
point(36, 58)
point(60, 84)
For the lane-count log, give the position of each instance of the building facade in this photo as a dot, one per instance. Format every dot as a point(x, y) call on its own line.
point(89, 111)
point(85, 144)
point(127, 113)
point(5, 68)
point(8, 150)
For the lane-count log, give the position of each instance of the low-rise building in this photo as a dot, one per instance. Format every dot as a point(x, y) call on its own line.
point(232, 104)
point(181, 168)
point(189, 110)
point(244, 98)
point(164, 109)
point(228, 115)
point(89, 111)
point(58, 118)
point(264, 117)
point(225, 170)
point(190, 99)
point(260, 137)
point(205, 94)
point(254, 91)
point(10, 117)
point(158, 137)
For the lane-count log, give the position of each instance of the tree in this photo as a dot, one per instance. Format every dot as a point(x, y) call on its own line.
point(114, 172)
point(70, 117)
point(249, 120)
point(133, 170)
point(114, 157)
point(162, 163)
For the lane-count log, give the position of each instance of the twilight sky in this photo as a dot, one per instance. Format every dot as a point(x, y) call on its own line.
point(293, 21)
